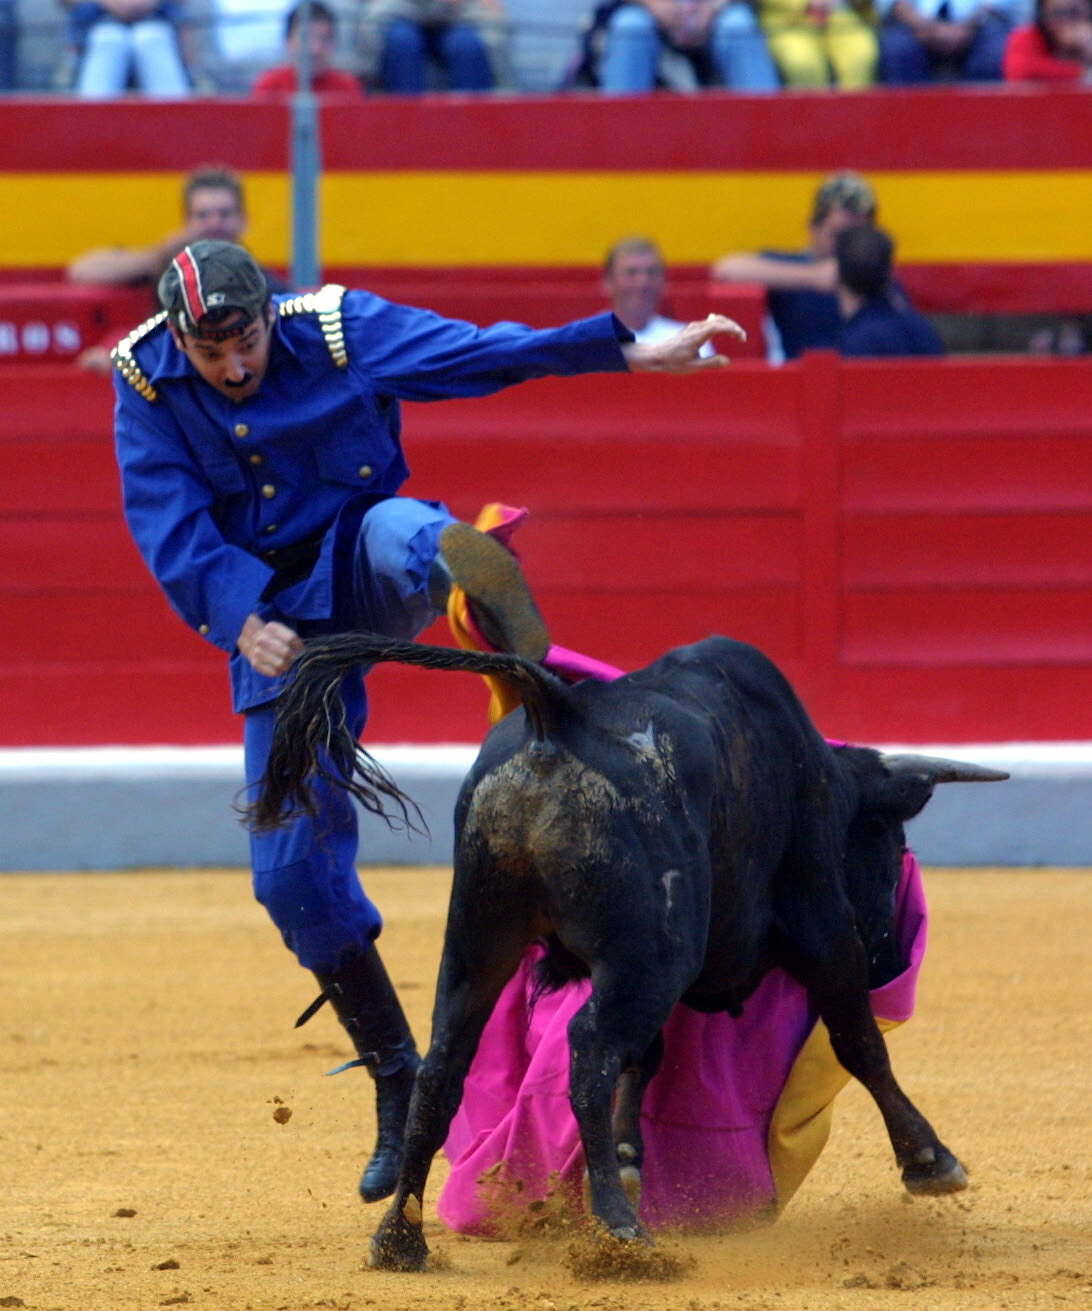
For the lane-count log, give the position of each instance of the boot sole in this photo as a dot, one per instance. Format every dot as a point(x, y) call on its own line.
point(499, 598)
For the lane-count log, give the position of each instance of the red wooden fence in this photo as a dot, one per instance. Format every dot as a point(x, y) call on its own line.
point(911, 541)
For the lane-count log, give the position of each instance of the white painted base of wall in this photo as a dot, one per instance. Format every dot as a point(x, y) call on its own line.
point(133, 807)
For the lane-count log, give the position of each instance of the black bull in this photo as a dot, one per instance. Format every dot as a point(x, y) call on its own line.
point(675, 835)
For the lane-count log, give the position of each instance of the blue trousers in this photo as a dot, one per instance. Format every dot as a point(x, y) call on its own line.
point(736, 51)
point(456, 47)
point(905, 61)
point(305, 873)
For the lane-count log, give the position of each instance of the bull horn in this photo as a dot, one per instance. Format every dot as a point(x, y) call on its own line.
point(943, 771)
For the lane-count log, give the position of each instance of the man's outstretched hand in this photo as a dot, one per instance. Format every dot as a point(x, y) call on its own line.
point(269, 647)
point(680, 353)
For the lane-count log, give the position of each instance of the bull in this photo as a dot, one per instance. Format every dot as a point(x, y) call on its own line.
point(672, 835)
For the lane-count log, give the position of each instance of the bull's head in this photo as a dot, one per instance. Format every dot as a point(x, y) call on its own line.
point(893, 789)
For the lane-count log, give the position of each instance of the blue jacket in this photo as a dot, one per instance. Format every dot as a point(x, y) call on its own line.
point(882, 328)
point(217, 494)
point(805, 320)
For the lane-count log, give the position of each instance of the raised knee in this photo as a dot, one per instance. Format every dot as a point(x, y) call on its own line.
point(150, 35)
point(107, 37)
point(401, 37)
point(461, 41)
point(736, 20)
point(631, 21)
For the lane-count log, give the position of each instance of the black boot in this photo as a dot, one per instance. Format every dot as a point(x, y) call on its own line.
point(500, 600)
point(364, 999)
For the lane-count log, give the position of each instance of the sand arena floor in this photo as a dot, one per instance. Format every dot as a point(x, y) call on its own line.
point(146, 1041)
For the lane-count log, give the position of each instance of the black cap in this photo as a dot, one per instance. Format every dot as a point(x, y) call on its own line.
point(208, 280)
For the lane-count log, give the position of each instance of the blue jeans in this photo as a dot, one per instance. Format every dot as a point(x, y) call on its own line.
point(736, 51)
point(305, 873)
point(904, 60)
point(408, 48)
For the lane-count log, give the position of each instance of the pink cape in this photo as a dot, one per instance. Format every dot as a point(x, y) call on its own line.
point(708, 1114)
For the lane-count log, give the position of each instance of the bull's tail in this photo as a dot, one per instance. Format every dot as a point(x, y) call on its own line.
point(313, 740)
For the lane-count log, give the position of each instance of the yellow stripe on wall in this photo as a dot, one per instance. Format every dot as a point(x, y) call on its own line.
point(422, 218)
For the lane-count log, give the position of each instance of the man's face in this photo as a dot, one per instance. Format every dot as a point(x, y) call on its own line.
point(837, 220)
point(321, 44)
point(235, 365)
point(635, 285)
point(213, 214)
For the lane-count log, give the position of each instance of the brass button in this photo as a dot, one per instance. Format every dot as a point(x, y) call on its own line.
point(365, 471)
point(270, 553)
point(242, 430)
point(204, 630)
point(255, 458)
point(268, 491)
point(270, 528)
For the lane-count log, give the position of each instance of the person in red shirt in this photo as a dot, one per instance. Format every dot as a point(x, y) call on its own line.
point(1057, 47)
point(322, 42)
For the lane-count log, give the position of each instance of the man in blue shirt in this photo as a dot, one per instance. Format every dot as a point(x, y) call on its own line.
point(259, 446)
point(876, 320)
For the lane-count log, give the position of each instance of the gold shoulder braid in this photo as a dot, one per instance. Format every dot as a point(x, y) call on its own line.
point(326, 303)
point(126, 365)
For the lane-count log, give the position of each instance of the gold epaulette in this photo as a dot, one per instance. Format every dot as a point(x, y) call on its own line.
point(126, 365)
point(326, 303)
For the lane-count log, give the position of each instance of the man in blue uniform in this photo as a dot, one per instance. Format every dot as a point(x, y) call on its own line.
point(260, 454)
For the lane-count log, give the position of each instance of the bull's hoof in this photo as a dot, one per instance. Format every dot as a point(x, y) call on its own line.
point(631, 1234)
point(934, 1173)
point(398, 1245)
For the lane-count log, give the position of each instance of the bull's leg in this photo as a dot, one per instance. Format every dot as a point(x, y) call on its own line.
point(839, 989)
point(629, 1147)
point(614, 1033)
point(467, 990)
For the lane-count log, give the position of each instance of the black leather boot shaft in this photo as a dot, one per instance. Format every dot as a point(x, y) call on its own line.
point(364, 999)
point(367, 1005)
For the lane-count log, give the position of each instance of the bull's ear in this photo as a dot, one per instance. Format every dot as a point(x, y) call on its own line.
point(900, 795)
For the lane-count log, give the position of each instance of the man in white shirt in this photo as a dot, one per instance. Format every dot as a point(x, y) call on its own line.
point(634, 281)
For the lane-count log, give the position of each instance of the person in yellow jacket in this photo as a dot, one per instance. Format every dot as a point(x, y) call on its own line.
point(817, 43)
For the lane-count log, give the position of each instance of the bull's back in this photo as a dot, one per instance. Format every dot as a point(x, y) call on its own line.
point(596, 824)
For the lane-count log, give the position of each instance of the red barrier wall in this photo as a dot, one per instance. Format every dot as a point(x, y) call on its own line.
point(994, 215)
point(911, 541)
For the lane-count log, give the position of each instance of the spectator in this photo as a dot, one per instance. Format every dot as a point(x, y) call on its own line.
point(9, 45)
point(322, 42)
point(803, 308)
point(1065, 337)
point(634, 46)
point(634, 281)
point(214, 209)
point(463, 39)
point(261, 458)
point(817, 42)
point(876, 320)
point(1056, 47)
point(238, 40)
point(122, 40)
point(922, 40)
